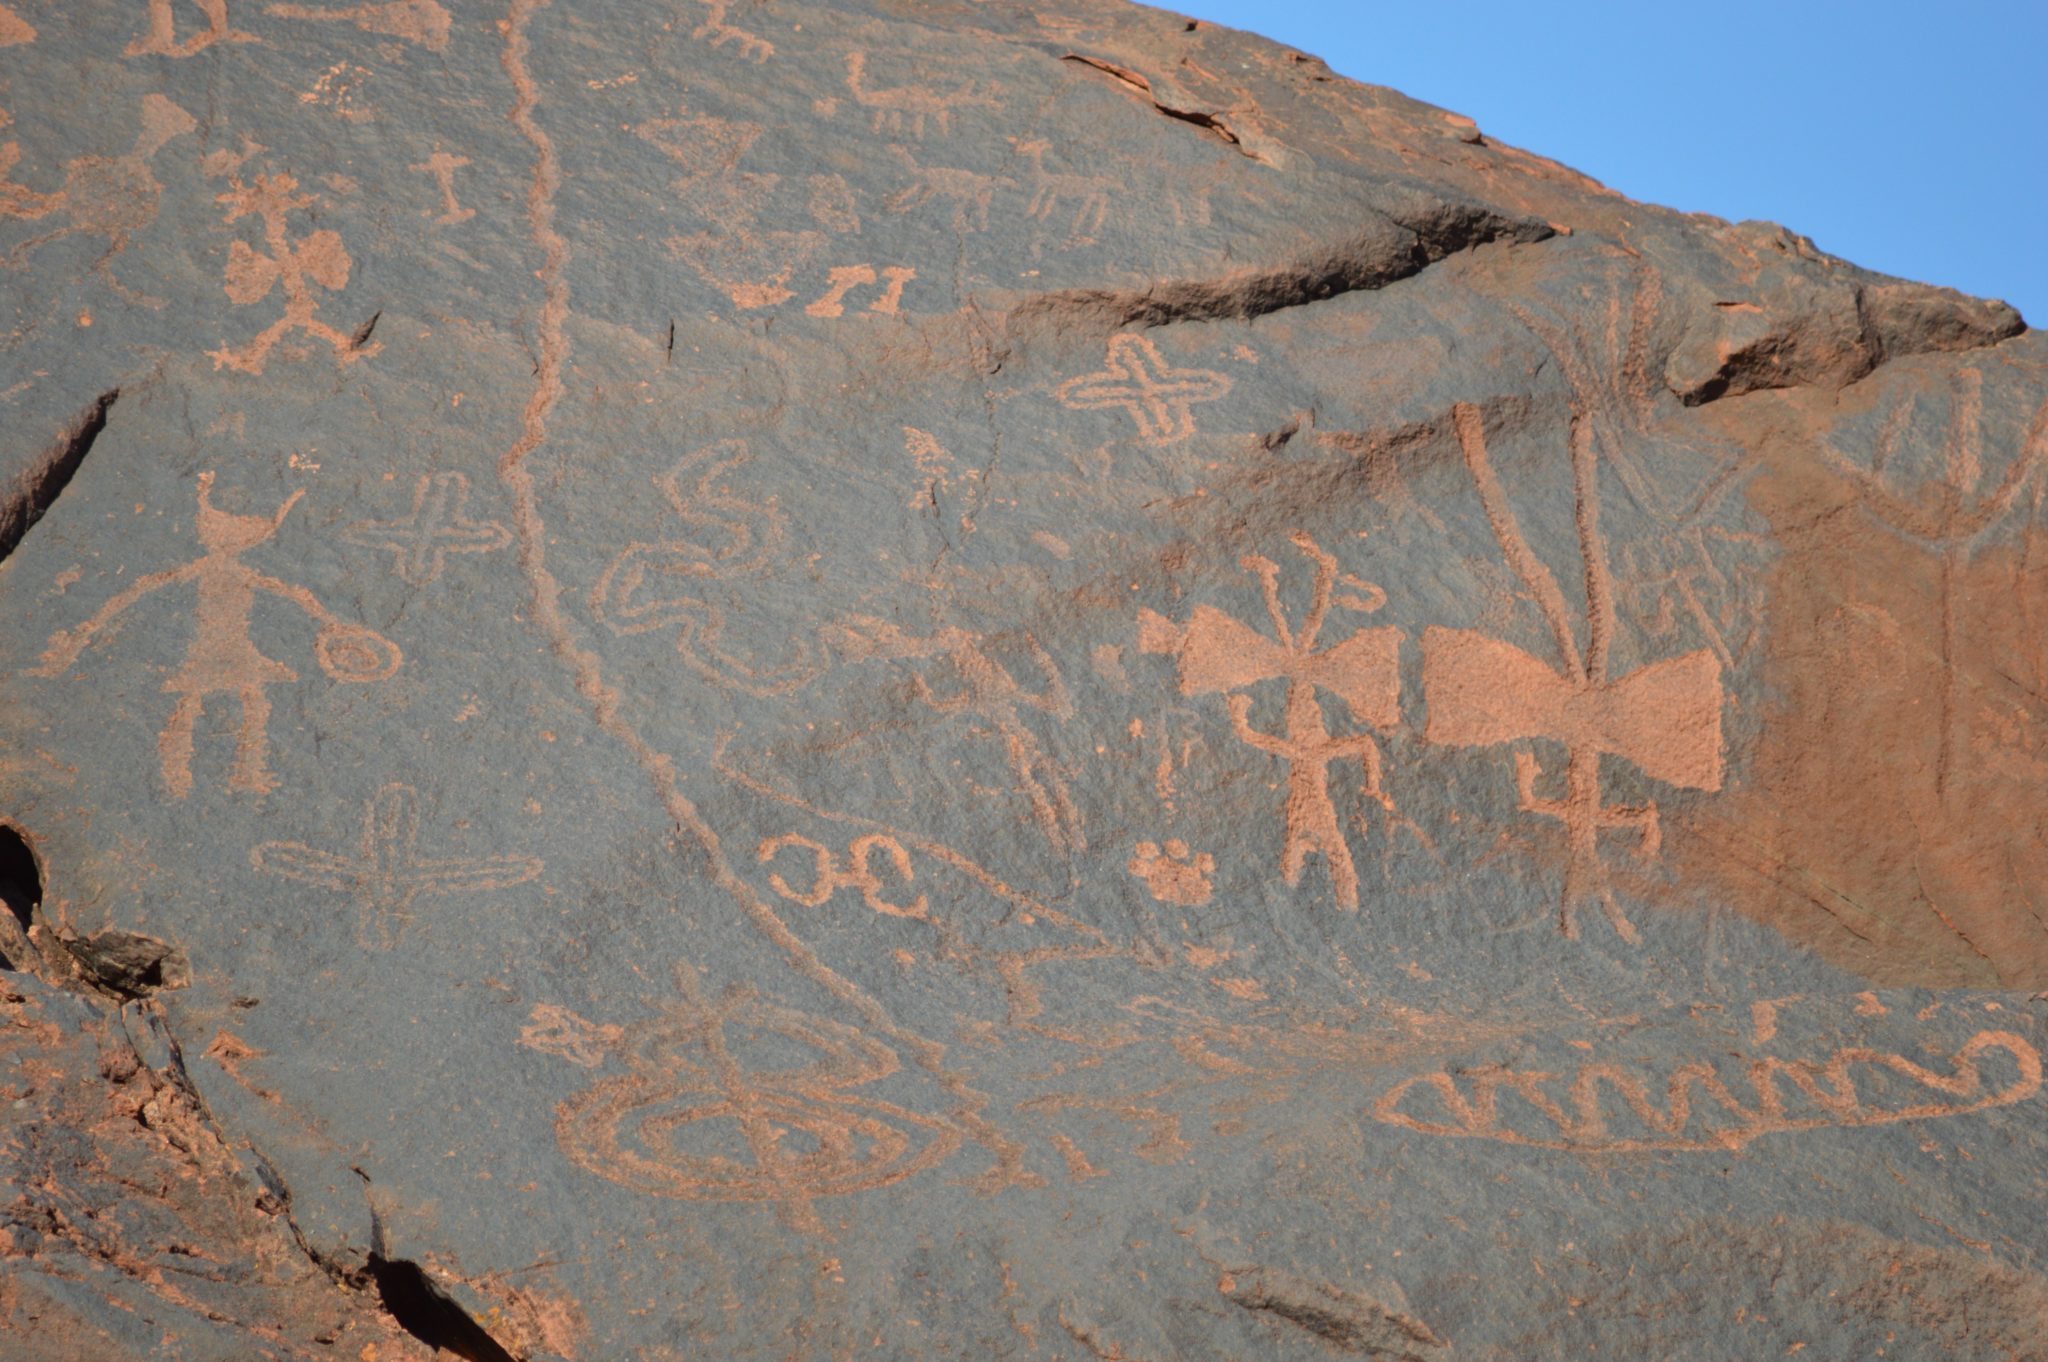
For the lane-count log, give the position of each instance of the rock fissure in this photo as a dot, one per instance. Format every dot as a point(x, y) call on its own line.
point(1341, 1319)
point(35, 489)
point(1212, 123)
point(1386, 254)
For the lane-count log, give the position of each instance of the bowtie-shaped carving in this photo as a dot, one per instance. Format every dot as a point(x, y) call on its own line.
point(1664, 718)
point(1217, 653)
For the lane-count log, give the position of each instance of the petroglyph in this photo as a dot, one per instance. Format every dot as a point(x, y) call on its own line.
point(702, 145)
point(1784, 1095)
point(846, 278)
point(1665, 718)
point(15, 30)
point(934, 465)
point(1174, 873)
point(750, 264)
point(901, 109)
point(340, 88)
point(1023, 996)
point(1090, 195)
point(964, 1104)
point(718, 33)
point(639, 591)
point(752, 269)
point(419, 542)
point(832, 204)
point(1162, 1143)
point(988, 692)
point(557, 1031)
point(1217, 654)
point(161, 37)
point(418, 21)
point(689, 1068)
point(1158, 397)
point(294, 268)
point(829, 874)
point(113, 197)
point(1963, 509)
point(968, 192)
point(705, 147)
point(222, 659)
point(442, 166)
point(385, 873)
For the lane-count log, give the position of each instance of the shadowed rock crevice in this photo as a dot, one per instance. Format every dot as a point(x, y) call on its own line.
point(130, 965)
point(1387, 251)
point(1212, 123)
point(21, 895)
point(36, 488)
point(1832, 337)
point(411, 1297)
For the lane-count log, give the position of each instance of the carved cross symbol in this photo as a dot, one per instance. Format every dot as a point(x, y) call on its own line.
point(386, 872)
point(442, 166)
point(1136, 377)
point(419, 543)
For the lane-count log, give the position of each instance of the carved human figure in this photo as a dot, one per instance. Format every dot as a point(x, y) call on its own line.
point(442, 165)
point(1217, 654)
point(222, 658)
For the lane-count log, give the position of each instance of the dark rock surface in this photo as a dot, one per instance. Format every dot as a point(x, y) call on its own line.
point(962, 680)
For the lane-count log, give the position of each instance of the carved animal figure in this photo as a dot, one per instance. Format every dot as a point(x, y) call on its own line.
point(1090, 194)
point(717, 32)
point(908, 107)
point(969, 192)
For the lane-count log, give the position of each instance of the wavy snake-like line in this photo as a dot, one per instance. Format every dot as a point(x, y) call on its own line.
point(601, 697)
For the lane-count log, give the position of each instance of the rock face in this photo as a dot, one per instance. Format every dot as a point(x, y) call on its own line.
point(958, 680)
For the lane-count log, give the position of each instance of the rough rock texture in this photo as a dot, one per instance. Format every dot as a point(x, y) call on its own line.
point(966, 680)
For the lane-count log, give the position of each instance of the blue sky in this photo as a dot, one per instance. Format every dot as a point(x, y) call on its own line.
point(1911, 138)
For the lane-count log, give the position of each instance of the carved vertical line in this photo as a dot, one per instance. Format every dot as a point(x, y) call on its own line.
point(1471, 427)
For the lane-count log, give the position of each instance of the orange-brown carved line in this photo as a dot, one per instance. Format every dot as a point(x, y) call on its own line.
point(1831, 1086)
point(603, 700)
